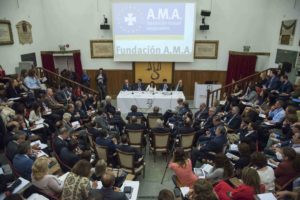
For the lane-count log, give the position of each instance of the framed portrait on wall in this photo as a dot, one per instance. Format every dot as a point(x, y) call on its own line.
point(206, 49)
point(153, 71)
point(287, 32)
point(6, 36)
point(102, 49)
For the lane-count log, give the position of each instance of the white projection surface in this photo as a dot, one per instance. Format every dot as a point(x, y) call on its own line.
point(154, 31)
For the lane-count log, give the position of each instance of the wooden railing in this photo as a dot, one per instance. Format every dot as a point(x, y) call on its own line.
point(55, 80)
point(228, 89)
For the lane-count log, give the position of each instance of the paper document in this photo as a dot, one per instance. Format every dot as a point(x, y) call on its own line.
point(232, 156)
point(266, 196)
point(233, 147)
point(75, 125)
point(41, 145)
point(199, 172)
point(41, 121)
point(268, 123)
point(38, 126)
point(184, 190)
point(41, 153)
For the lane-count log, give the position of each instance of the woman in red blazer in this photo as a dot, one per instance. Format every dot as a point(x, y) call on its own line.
point(246, 191)
point(289, 167)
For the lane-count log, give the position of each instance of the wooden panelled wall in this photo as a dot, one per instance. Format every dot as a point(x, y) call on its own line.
point(189, 77)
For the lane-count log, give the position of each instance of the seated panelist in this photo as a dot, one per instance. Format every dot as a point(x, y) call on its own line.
point(139, 86)
point(151, 87)
point(178, 86)
point(165, 86)
point(127, 86)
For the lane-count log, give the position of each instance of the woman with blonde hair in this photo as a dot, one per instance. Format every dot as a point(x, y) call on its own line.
point(47, 183)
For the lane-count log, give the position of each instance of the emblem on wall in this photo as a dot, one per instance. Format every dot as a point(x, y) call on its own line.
point(24, 32)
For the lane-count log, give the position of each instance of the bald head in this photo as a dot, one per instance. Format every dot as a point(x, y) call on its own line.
point(108, 180)
point(49, 92)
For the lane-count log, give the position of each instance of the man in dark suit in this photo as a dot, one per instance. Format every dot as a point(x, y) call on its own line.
point(61, 140)
point(187, 127)
point(107, 191)
point(104, 140)
point(124, 146)
point(51, 103)
point(139, 86)
point(215, 146)
point(165, 86)
point(109, 108)
point(63, 96)
point(233, 120)
point(202, 113)
point(286, 86)
point(117, 121)
point(208, 123)
point(68, 155)
point(22, 162)
point(274, 82)
point(178, 86)
point(160, 128)
point(134, 125)
point(155, 113)
point(101, 120)
point(12, 147)
point(134, 112)
point(127, 86)
point(211, 132)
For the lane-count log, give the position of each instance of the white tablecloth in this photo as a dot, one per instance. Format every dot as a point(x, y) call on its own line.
point(145, 101)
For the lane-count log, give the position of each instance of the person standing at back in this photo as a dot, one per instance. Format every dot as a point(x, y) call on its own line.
point(101, 80)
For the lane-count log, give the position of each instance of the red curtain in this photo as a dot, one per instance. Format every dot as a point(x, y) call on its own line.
point(240, 66)
point(78, 66)
point(48, 61)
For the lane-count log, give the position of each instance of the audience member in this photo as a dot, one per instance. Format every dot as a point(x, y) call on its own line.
point(223, 169)
point(47, 183)
point(101, 169)
point(22, 162)
point(125, 147)
point(246, 191)
point(265, 172)
point(202, 190)
point(12, 147)
point(289, 167)
point(165, 194)
point(108, 192)
point(182, 166)
point(70, 154)
point(77, 184)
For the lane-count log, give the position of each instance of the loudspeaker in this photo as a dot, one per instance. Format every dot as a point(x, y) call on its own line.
point(205, 13)
point(104, 26)
point(204, 27)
